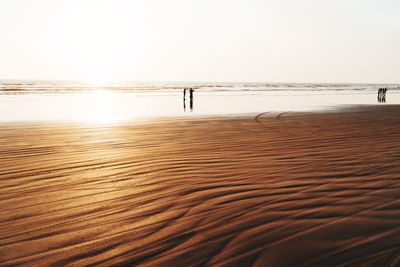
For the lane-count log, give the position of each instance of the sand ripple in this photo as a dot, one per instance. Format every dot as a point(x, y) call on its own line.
point(284, 189)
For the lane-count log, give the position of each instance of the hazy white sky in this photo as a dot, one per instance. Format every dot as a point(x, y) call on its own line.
point(201, 40)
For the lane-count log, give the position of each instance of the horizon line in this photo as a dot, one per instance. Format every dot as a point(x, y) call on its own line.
point(111, 81)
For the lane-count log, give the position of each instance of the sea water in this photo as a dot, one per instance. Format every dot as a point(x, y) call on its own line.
point(59, 101)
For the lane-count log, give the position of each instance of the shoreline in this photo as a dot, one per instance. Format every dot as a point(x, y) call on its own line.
point(343, 108)
point(102, 106)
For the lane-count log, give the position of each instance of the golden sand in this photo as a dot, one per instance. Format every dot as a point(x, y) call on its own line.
point(311, 189)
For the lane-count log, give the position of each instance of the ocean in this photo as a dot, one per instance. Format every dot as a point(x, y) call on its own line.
point(105, 102)
point(50, 87)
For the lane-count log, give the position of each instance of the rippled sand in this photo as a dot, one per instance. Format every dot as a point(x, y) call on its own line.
point(314, 189)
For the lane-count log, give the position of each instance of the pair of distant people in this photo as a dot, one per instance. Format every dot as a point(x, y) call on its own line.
point(382, 94)
point(191, 91)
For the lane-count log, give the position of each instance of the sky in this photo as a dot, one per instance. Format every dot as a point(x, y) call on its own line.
point(354, 41)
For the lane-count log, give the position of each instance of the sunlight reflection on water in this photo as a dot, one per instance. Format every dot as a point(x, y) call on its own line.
point(102, 106)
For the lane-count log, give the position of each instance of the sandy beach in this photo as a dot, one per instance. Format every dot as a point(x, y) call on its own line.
point(272, 189)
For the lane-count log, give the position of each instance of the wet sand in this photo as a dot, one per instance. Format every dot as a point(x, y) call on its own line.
point(307, 189)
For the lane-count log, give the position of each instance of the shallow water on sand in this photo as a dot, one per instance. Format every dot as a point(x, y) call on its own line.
point(105, 106)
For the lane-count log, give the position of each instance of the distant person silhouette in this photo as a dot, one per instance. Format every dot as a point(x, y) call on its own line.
point(191, 98)
point(184, 99)
point(382, 95)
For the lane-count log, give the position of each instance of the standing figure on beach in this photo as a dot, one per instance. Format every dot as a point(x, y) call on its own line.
point(380, 92)
point(191, 98)
point(184, 99)
point(382, 95)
